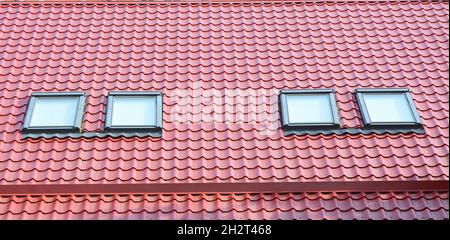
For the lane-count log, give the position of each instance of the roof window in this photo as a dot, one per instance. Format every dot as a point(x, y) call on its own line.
point(134, 110)
point(309, 109)
point(54, 111)
point(387, 107)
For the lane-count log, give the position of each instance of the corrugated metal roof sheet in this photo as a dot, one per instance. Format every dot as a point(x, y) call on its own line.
point(220, 49)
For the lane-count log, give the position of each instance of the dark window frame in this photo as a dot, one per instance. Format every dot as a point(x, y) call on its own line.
point(134, 128)
point(365, 114)
point(285, 114)
point(76, 127)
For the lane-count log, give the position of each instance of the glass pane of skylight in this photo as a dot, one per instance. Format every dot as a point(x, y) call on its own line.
point(309, 108)
point(133, 111)
point(388, 107)
point(54, 111)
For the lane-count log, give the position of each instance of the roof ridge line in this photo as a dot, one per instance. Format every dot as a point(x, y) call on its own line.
point(243, 196)
point(225, 187)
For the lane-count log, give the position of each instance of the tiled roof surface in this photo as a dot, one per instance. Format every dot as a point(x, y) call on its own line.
point(99, 48)
point(388, 205)
point(222, 48)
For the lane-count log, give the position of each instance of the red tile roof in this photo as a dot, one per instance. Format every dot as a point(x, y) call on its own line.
point(219, 49)
point(387, 205)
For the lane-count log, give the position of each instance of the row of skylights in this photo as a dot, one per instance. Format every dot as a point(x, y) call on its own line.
point(317, 108)
point(143, 110)
point(64, 111)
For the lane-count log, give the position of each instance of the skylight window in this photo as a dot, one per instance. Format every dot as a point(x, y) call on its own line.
point(134, 110)
point(54, 111)
point(387, 107)
point(309, 108)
